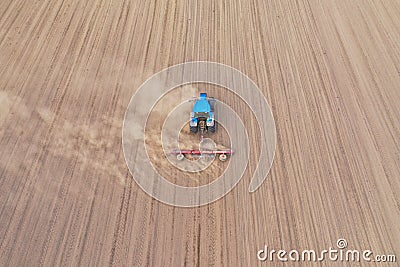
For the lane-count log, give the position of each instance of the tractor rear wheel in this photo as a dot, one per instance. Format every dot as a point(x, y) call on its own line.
point(193, 129)
point(212, 128)
point(211, 101)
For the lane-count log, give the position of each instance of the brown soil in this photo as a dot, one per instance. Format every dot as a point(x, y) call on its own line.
point(329, 69)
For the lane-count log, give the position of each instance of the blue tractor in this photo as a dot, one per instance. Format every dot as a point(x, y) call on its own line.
point(202, 115)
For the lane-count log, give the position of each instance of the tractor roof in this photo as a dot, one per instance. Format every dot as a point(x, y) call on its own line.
point(202, 104)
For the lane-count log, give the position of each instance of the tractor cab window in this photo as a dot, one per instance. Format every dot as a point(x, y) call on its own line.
point(201, 114)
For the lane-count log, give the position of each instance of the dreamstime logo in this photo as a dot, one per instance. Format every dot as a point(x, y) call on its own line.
point(158, 85)
point(332, 254)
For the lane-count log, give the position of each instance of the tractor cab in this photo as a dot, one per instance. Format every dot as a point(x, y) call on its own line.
point(202, 115)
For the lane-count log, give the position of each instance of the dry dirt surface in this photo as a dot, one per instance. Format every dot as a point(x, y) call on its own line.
point(329, 69)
